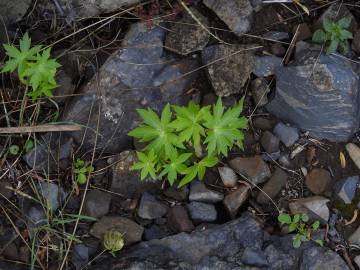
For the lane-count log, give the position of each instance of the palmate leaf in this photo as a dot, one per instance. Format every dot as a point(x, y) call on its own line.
point(146, 164)
point(188, 121)
point(19, 58)
point(175, 166)
point(198, 169)
point(157, 131)
point(224, 128)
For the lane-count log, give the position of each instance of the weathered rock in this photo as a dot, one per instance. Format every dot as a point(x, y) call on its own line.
point(155, 232)
point(318, 94)
point(254, 257)
point(97, 203)
point(355, 237)
point(52, 194)
point(266, 65)
point(178, 220)
point(270, 142)
point(187, 35)
point(200, 193)
point(202, 212)
point(179, 194)
point(354, 153)
point(126, 181)
point(237, 14)
point(318, 181)
point(254, 168)
point(128, 80)
point(273, 186)
point(150, 208)
point(288, 135)
point(314, 206)
point(132, 231)
point(316, 258)
point(228, 176)
point(278, 49)
point(346, 189)
point(234, 200)
point(260, 89)
point(229, 74)
point(13, 11)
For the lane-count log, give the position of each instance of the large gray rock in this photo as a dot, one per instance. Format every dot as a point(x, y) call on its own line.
point(12, 11)
point(228, 67)
point(237, 14)
point(319, 95)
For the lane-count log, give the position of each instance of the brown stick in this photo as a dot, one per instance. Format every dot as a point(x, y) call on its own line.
point(39, 128)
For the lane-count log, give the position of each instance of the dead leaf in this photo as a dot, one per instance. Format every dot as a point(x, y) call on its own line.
point(342, 160)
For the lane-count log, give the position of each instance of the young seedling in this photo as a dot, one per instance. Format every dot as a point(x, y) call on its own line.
point(174, 146)
point(334, 35)
point(81, 171)
point(299, 224)
point(35, 68)
point(113, 241)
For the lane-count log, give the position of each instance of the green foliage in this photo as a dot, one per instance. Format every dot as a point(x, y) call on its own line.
point(81, 170)
point(334, 34)
point(29, 144)
point(299, 224)
point(174, 145)
point(14, 149)
point(113, 241)
point(34, 67)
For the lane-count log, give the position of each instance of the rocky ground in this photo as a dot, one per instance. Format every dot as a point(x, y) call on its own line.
point(301, 152)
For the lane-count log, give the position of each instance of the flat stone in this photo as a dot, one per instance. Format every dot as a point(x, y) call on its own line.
point(52, 194)
point(266, 65)
point(150, 208)
point(259, 89)
point(228, 176)
point(273, 186)
point(126, 181)
point(202, 212)
point(346, 189)
point(229, 75)
point(237, 14)
point(318, 94)
point(200, 193)
point(270, 142)
point(314, 206)
point(288, 135)
point(131, 231)
point(97, 203)
point(188, 39)
point(278, 49)
point(80, 256)
point(254, 168)
point(234, 200)
point(178, 220)
point(318, 181)
point(354, 153)
point(13, 11)
point(254, 257)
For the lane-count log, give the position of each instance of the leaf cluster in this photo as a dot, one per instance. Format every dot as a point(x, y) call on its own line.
point(299, 224)
point(34, 66)
point(334, 35)
point(175, 144)
point(81, 170)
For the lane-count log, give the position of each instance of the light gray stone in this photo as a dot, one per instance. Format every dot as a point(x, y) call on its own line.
point(202, 212)
point(200, 193)
point(288, 135)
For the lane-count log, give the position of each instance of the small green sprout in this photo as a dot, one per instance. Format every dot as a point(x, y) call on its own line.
point(334, 34)
point(14, 149)
point(82, 169)
point(113, 241)
point(29, 144)
point(299, 225)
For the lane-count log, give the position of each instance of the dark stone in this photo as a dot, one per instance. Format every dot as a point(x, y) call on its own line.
point(234, 200)
point(97, 203)
point(272, 187)
point(254, 257)
point(52, 194)
point(80, 256)
point(264, 123)
point(237, 14)
point(202, 212)
point(346, 189)
point(270, 142)
point(187, 36)
point(303, 31)
point(155, 232)
point(355, 44)
point(260, 89)
point(150, 208)
point(287, 135)
point(178, 220)
point(229, 74)
point(4, 190)
point(179, 194)
point(321, 259)
point(266, 65)
point(318, 181)
point(319, 94)
point(13, 11)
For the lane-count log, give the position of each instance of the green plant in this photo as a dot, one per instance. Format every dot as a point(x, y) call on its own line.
point(299, 224)
point(334, 34)
point(113, 241)
point(174, 146)
point(81, 170)
point(34, 67)
point(14, 149)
